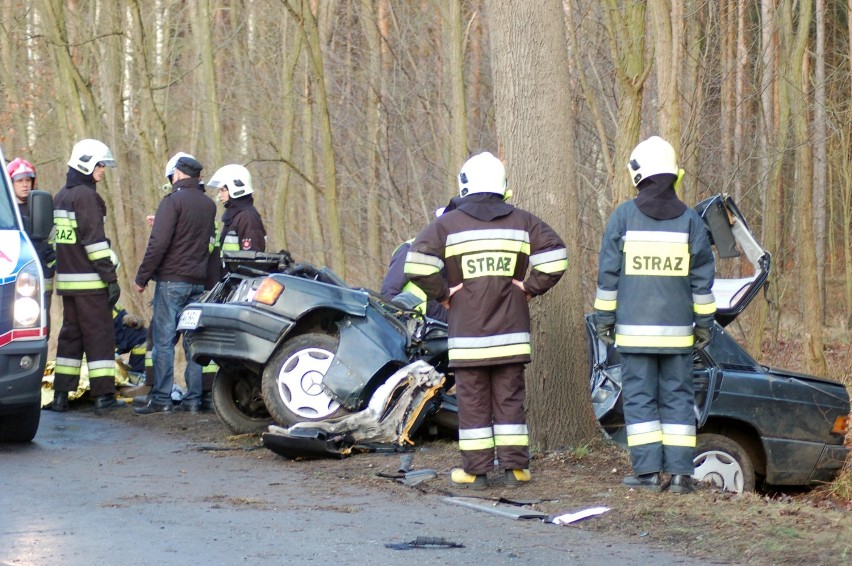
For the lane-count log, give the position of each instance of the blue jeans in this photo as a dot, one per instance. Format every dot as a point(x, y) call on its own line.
point(170, 297)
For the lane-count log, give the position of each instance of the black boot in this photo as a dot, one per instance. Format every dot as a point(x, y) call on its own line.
point(60, 401)
point(650, 482)
point(206, 401)
point(108, 402)
point(681, 484)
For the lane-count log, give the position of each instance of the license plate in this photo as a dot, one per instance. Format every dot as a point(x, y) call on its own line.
point(189, 319)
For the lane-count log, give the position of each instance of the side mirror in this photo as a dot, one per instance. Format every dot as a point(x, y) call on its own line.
point(40, 222)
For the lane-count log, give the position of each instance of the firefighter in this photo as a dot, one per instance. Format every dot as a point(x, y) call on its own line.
point(23, 177)
point(85, 279)
point(654, 302)
point(242, 227)
point(130, 338)
point(396, 281)
point(486, 247)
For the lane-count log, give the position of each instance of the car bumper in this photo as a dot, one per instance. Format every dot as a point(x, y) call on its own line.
point(791, 462)
point(235, 332)
point(829, 465)
point(20, 386)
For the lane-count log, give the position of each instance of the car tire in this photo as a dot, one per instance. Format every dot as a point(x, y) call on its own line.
point(238, 402)
point(292, 381)
point(723, 462)
point(21, 426)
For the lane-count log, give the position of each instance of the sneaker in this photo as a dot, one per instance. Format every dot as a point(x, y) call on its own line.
point(650, 482)
point(516, 478)
point(152, 408)
point(681, 485)
point(108, 403)
point(461, 479)
point(187, 407)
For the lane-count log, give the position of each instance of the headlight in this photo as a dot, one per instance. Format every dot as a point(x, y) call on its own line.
point(28, 299)
point(27, 284)
point(27, 312)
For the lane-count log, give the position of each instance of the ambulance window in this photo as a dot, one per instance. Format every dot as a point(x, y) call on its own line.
point(7, 211)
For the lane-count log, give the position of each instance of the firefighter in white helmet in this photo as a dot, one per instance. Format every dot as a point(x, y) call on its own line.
point(242, 227)
point(654, 302)
point(496, 257)
point(85, 279)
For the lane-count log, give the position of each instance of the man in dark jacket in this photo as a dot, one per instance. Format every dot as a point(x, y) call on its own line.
point(85, 279)
point(181, 240)
point(486, 246)
point(654, 302)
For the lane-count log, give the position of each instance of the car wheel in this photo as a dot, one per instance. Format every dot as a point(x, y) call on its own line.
point(21, 426)
point(293, 381)
point(239, 403)
point(724, 463)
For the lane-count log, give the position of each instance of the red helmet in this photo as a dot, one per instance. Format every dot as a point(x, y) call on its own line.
point(20, 168)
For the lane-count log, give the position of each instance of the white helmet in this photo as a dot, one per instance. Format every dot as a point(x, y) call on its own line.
point(235, 177)
point(88, 153)
point(651, 157)
point(482, 173)
point(172, 164)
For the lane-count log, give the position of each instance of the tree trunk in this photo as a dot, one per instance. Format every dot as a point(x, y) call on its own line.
point(373, 79)
point(209, 121)
point(805, 249)
point(625, 25)
point(820, 162)
point(667, 22)
point(528, 83)
point(454, 71)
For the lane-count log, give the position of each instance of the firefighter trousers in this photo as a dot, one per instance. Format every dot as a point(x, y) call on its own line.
point(87, 328)
point(659, 410)
point(491, 415)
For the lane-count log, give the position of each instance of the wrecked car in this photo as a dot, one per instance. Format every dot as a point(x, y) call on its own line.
point(757, 424)
point(294, 343)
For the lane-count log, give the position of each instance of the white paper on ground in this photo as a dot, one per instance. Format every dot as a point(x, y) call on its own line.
point(568, 518)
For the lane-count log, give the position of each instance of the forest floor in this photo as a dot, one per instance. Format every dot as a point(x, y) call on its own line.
point(794, 526)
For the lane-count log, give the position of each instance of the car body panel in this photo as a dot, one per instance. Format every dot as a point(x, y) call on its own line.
point(238, 332)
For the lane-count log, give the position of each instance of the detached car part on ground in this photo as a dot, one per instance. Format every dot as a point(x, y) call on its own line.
point(296, 344)
point(756, 423)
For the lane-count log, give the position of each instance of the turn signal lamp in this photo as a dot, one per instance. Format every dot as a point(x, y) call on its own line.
point(268, 291)
point(841, 425)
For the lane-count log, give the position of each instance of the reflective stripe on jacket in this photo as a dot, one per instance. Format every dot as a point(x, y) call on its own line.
point(655, 279)
point(489, 319)
point(83, 264)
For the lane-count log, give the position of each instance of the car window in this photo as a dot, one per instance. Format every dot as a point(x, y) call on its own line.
point(728, 354)
point(8, 220)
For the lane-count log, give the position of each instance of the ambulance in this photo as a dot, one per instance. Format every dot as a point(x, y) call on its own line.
point(23, 320)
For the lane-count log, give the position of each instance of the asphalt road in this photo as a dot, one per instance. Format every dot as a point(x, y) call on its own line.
point(87, 493)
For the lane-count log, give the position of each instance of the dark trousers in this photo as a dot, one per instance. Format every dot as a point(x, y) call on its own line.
point(491, 415)
point(659, 410)
point(86, 329)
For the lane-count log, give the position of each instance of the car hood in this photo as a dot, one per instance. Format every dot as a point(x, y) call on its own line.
point(732, 238)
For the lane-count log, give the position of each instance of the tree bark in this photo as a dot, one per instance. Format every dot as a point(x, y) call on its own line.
point(528, 83)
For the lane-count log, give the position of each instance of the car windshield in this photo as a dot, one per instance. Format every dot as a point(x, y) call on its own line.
point(8, 219)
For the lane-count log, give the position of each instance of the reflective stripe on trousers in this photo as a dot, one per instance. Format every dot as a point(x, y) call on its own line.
point(659, 412)
point(491, 418)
